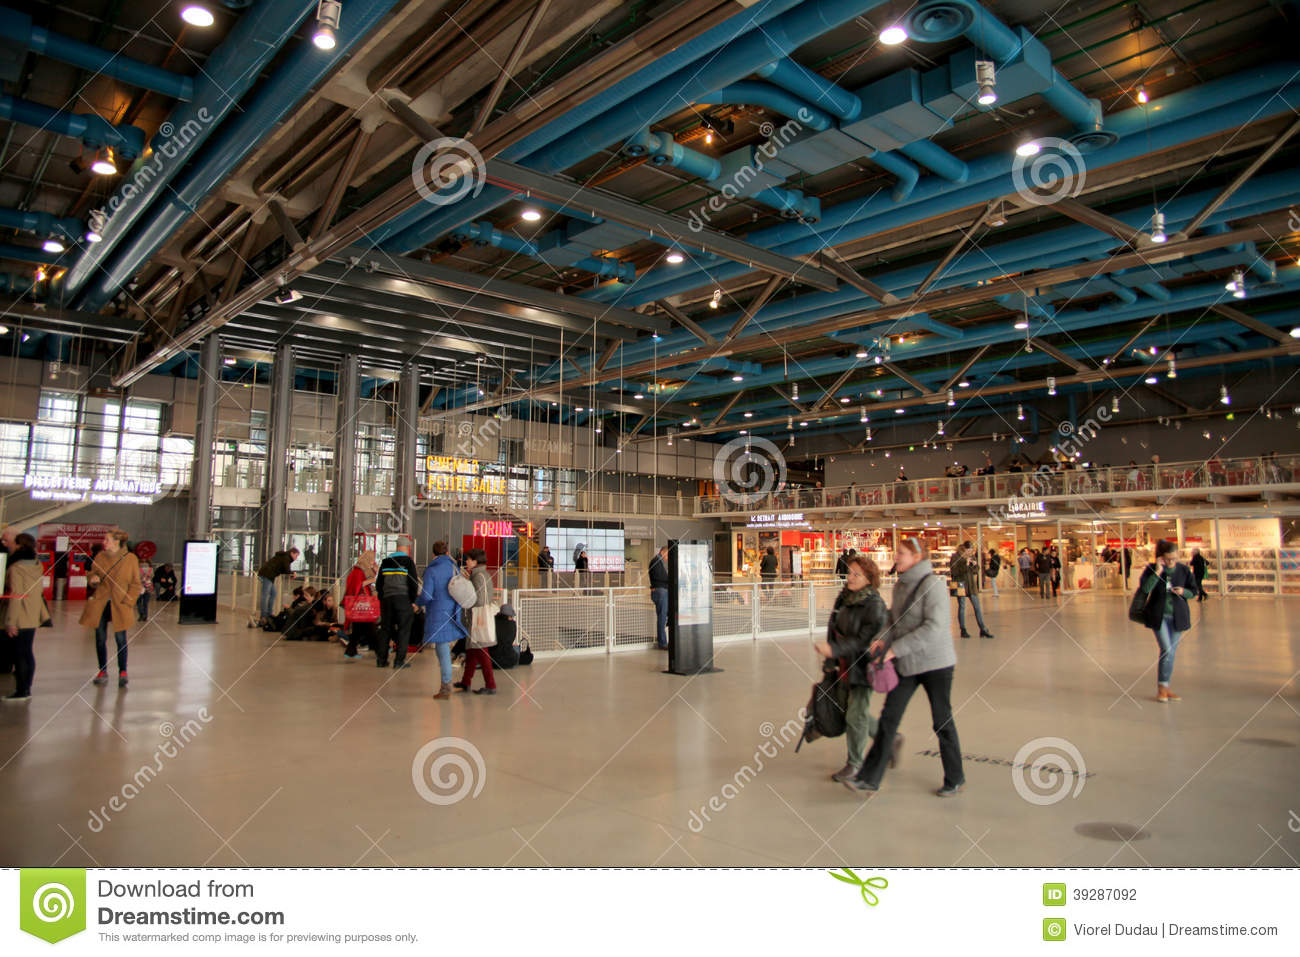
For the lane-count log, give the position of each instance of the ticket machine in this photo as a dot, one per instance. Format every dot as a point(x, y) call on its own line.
point(46, 558)
point(78, 567)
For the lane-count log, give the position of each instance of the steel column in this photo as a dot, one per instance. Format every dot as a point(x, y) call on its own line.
point(408, 419)
point(345, 462)
point(205, 431)
point(275, 497)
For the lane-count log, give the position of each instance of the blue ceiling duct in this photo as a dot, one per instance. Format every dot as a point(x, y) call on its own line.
point(30, 254)
point(305, 67)
point(769, 97)
point(549, 252)
point(94, 131)
point(17, 28)
point(43, 224)
point(227, 75)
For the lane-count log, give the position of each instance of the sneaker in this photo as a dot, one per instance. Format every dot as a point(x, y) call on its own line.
point(19, 698)
point(485, 690)
point(846, 772)
point(861, 786)
point(1170, 696)
point(101, 678)
point(347, 657)
point(121, 679)
point(949, 790)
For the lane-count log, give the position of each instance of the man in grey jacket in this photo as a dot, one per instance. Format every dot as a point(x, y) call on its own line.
point(919, 640)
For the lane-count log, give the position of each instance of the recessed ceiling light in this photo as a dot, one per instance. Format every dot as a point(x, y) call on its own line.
point(893, 36)
point(531, 215)
point(197, 15)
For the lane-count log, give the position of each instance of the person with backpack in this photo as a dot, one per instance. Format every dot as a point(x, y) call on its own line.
point(278, 564)
point(1043, 570)
point(858, 617)
point(24, 612)
point(399, 587)
point(918, 640)
point(1166, 583)
point(965, 576)
point(442, 626)
point(659, 594)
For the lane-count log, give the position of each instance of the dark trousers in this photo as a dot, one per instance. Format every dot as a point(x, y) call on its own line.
point(142, 606)
point(660, 597)
point(395, 626)
point(476, 658)
point(938, 688)
point(19, 651)
point(101, 646)
point(362, 632)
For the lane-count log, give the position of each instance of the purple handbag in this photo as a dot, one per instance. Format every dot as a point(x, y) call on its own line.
point(882, 676)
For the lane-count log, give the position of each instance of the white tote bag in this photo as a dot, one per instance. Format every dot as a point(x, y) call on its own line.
point(483, 628)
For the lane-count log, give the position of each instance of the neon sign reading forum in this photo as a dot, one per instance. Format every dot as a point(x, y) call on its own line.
point(449, 474)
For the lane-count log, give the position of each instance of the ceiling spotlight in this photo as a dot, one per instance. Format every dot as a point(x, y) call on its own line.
point(737, 378)
point(1029, 148)
point(964, 384)
point(197, 15)
point(1051, 385)
point(986, 78)
point(868, 434)
point(1173, 371)
point(744, 431)
point(893, 36)
point(863, 417)
point(1142, 94)
point(53, 245)
point(675, 257)
point(95, 226)
point(1236, 282)
point(1020, 413)
point(862, 352)
point(1158, 227)
point(229, 361)
point(104, 164)
point(879, 359)
point(794, 391)
point(40, 274)
point(285, 296)
point(1022, 324)
point(899, 411)
point(789, 422)
point(716, 300)
point(1151, 380)
point(639, 395)
point(531, 215)
point(999, 218)
point(749, 415)
point(328, 13)
point(803, 425)
point(844, 400)
point(1295, 332)
point(941, 426)
point(1224, 398)
point(952, 398)
point(1114, 403)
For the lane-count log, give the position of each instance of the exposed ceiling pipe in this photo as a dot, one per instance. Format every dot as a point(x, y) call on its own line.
point(227, 75)
point(43, 224)
point(486, 234)
point(19, 31)
point(93, 131)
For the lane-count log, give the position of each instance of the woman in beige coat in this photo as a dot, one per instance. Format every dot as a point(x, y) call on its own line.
point(24, 612)
point(116, 577)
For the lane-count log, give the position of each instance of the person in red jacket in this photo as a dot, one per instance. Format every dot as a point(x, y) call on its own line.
point(360, 581)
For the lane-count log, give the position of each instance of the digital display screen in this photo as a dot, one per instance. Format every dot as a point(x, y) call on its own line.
point(604, 547)
point(694, 584)
point(200, 569)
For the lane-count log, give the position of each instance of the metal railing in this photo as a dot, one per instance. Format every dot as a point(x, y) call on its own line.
point(1130, 479)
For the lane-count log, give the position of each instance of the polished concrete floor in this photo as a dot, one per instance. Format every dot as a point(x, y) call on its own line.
point(295, 757)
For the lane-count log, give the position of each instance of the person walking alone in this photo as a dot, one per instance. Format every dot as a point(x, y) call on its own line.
point(991, 569)
point(24, 613)
point(659, 594)
point(919, 641)
point(1043, 569)
point(1199, 568)
point(1166, 582)
point(278, 564)
point(399, 587)
point(115, 574)
point(770, 566)
point(965, 575)
point(857, 619)
point(442, 626)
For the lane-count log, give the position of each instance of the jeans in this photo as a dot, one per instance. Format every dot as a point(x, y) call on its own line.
point(444, 660)
point(24, 659)
point(101, 647)
point(938, 688)
point(993, 580)
point(142, 606)
point(475, 658)
point(268, 597)
point(1168, 640)
point(961, 612)
point(396, 617)
point(660, 597)
point(860, 724)
point(1044, 585)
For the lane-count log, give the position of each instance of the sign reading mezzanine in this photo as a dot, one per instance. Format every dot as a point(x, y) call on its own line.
point(78, 488)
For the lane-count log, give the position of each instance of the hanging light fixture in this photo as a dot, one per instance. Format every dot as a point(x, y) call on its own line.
point(1022, 324)
point(868, 433)
point(328, 15)
point(941, 426)
point(1237, 282)
point(986, 77)
point(862, 352)
point(53, 245)
point(1224, 398)
point(1114, 403)
point(1142, 93)
point(892, 36)
point(197, 15)
point(1158, 227)
point(1173, 371)
point(1151, 379)
point(789, 422)
point(531, 215)
point(104, 164)
point(749, 415)
point(1020, 413)
point(1051, 385)
point(795, 388)
point(737, 378)
point(863, 417)
point(952, 398)
point(716, 300)
point(1029, 148)
point(95, 226)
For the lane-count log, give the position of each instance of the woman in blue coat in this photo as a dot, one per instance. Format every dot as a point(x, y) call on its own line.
point(442, 625)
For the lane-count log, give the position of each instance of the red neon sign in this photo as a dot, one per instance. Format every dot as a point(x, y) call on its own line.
point(491, 529)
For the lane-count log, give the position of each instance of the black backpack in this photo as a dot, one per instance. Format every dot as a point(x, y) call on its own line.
point(827, 706)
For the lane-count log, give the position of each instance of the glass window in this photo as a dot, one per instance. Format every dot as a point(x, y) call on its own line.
point(14, 437)
point(54, 435)
point(177, 460)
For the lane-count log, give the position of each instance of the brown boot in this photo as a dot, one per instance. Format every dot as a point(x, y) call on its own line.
point(444, 691)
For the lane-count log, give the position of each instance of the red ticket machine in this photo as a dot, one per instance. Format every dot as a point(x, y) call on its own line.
point(46, 559)
point(78, 566)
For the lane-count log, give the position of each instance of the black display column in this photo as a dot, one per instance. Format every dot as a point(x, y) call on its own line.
point(690, 608)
